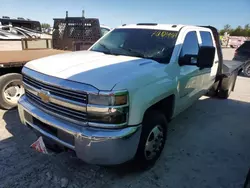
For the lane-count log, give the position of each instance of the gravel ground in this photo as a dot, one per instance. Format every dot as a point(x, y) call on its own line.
point(207, 146)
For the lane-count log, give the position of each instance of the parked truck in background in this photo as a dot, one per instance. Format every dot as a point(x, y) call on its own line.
point(20, 22)
point(70, 34)
point(112, 103)
point(243, 54)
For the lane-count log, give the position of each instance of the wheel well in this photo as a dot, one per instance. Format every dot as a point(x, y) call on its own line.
point(10, 70)
point(166, 106)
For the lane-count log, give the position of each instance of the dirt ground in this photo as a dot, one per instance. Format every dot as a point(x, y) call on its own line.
point(208, 146)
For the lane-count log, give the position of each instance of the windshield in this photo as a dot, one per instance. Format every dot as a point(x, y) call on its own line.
point(145, 43)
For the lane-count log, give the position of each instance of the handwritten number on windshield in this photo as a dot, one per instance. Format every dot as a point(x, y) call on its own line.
point(164, 34)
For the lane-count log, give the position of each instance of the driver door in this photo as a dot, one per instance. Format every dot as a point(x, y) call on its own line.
point(190, 78)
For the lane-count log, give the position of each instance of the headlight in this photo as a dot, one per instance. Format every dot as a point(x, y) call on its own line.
point(116, 116)
point(99, 99)
point(109, 98)
point(108, 109)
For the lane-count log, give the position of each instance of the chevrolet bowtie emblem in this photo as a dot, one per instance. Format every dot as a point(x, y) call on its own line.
point(44, 96)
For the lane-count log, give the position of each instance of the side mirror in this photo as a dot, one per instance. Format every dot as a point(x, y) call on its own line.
point(188, 59)
point(206, 57)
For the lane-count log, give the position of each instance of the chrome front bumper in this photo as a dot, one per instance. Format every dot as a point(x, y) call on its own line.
point(92, 145)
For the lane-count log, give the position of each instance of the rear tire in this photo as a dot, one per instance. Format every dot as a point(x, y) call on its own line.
point(11, 89)
point(224, 94)
point(227, 86)
point(152, 141)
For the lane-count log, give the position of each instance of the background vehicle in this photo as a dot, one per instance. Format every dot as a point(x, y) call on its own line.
point(8, 35)
point(76, 33)
point(22, 28)
point(235, 42)
point(113, 102)
point(104, 29)
point(20, 22)
point(15, 31)
point(243, 54)
point(70, 34)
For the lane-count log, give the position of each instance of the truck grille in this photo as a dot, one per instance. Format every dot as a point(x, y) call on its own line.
point(56, 109)
point(65, 93)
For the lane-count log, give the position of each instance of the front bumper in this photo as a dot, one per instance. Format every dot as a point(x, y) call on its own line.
point(92, 145)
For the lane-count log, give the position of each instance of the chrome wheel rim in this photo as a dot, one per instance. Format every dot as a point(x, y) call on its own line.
point(154, 142)
point(13, 91)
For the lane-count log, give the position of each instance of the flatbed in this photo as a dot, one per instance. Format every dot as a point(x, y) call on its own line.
point(230, 66)
point(226, 78)
point(20, 57)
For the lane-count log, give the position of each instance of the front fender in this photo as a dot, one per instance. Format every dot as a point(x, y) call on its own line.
point(144, 97)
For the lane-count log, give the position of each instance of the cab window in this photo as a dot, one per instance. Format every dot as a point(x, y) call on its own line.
point(190, 45)
point(206, 38)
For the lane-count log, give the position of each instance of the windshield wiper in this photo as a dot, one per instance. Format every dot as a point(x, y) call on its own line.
point(136, 53)
point(104, 46)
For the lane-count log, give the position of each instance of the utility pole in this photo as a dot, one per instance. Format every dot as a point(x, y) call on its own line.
point(83, 13)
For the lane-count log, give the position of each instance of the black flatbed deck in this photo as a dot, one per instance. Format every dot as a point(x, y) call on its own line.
point(230, 66)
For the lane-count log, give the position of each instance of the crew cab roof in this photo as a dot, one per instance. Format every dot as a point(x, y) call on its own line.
point(170, 27)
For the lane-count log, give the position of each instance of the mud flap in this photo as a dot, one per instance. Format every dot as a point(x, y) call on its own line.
point(227, 84)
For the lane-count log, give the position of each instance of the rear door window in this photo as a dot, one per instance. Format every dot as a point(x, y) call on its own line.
point(206, 38)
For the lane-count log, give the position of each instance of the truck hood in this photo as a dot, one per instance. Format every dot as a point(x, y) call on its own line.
point(97, 69)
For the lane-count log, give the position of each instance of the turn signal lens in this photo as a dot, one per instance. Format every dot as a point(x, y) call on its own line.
point(121, 100)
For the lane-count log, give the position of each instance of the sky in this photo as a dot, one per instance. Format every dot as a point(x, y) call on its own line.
point(116, 12)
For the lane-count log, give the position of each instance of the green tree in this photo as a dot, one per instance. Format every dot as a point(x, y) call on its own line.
point(227, 28)
point(238, 31)
point(247, 27)
point(45, 25)
point(247, 30)
point(222, 32)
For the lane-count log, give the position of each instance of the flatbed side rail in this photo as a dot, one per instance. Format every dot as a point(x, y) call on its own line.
point(31, 44)
point(19, 57)
point(13, 64)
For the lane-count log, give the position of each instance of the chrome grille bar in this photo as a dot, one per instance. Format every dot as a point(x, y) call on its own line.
point(57, 100)
point(60, 110)
point(68, 94)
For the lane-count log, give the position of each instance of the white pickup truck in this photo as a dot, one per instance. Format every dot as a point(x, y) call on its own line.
point(112, 103)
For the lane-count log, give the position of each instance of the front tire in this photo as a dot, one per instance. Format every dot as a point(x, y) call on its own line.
point(152, 141)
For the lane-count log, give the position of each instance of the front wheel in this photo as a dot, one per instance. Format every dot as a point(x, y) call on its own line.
point(11, 89)
point(152, 141)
